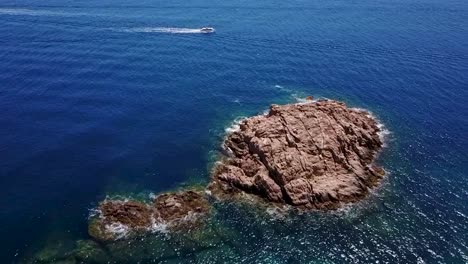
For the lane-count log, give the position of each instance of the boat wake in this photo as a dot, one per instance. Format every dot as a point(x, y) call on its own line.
point(170, 30)
point(38, 12)
point(53, 13)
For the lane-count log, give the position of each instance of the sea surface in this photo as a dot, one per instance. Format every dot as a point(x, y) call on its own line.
point(127, 98)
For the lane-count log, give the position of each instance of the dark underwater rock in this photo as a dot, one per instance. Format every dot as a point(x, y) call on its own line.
point(88, 251)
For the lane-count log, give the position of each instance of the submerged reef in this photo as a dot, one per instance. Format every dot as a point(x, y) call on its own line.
point(314, 155)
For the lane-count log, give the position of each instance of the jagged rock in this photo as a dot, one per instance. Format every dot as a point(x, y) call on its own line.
point(126, 218)
point(180, 208)
point(313, 155)
point(130, 213)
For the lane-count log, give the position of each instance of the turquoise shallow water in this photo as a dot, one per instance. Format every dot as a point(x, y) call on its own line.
point(102, 98)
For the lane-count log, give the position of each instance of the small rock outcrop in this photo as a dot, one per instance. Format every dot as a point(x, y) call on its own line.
point(126, 218)
point(313, 155)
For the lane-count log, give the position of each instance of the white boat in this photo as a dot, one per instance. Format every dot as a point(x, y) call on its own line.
point(207, 30)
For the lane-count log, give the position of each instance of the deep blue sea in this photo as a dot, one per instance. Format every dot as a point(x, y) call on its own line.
point(126, 98)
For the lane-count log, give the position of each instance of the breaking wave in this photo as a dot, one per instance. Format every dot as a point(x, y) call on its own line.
point(118, 229)
point(384, 132)
point(235, 125)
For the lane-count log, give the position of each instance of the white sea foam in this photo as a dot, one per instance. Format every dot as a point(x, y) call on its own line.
point(301, 100)
point(282, 88)
point(304, 100)
point(158, 226)
point(93, 212)
point(384, 132)
point(235, 125)
point(170, 30)
point(118, 229)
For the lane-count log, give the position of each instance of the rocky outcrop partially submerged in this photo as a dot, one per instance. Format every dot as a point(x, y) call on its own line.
point(313, 155)
point(167, 212)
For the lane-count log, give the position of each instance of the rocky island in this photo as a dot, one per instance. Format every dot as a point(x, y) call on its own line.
point(314, 155)
point(311, 155)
